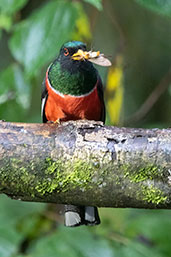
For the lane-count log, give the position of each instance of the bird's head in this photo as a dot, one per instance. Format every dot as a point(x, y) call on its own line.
point(71, 49)
point(75, 52)
point(72, 56)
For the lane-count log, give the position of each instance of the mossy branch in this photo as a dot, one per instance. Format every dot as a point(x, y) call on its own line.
point(86, 163)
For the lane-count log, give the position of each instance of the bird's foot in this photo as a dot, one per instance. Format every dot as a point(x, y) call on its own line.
point(58, 121)
point(50, 122)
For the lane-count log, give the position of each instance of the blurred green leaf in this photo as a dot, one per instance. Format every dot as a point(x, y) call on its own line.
point(20, 255)
point(169, 89)
point(72, 243)
point(159, 6)
point(139, 232)
point(36, 41)
point(82, 27)
point(96, 3)
point(154, 226)
point(6, 78)
point(20, 210)
point(54, 246)
point(9, 108)
point(11, 6)
point(11, 214)
point(5, 22)
point(12, 80)
point(137, 249)
point(9, 240)
point(90, 246)
point(11, 111)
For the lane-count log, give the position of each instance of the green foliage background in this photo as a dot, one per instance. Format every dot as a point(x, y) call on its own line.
point(31, 33)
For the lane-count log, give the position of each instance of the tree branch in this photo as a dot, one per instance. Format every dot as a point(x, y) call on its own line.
point(86, 163)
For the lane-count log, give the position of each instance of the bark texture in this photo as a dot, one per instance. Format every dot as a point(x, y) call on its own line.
point(86, 163)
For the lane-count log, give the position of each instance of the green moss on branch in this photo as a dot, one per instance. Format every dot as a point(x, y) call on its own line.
point(61, 176)
point(153, 195)
point(143, 173)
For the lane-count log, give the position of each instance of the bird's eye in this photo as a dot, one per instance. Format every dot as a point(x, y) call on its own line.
point(66, 52)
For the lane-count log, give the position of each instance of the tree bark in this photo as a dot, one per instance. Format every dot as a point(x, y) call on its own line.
point(86, 163)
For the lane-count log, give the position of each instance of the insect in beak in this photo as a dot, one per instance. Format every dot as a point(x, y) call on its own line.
point(81, 55)
point(95, 57)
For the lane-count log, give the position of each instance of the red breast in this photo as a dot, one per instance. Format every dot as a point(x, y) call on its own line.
point(67, 107)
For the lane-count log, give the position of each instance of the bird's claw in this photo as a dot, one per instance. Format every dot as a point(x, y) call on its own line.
point(58, 121)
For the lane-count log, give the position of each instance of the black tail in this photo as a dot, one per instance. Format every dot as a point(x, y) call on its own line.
point(81, 215)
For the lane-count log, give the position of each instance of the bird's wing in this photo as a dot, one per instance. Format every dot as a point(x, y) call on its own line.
point(44, 99)
point(101, 96)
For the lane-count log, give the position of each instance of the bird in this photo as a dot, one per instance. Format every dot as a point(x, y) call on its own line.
point(73, 90)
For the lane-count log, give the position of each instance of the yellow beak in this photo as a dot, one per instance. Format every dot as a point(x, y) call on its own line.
point(81, 55)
